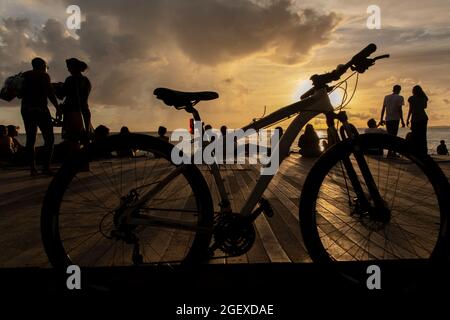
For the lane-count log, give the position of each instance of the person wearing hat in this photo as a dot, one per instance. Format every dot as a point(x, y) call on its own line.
point(77, 116)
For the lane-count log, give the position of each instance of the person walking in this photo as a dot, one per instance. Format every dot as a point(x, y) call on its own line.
point(392, 108)
point(419, 119)
point(37, 90)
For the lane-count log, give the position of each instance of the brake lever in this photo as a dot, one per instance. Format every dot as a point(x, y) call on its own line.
point(384, 56)
point(362, 66)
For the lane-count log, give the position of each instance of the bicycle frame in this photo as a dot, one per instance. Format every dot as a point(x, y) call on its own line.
point(306, 109)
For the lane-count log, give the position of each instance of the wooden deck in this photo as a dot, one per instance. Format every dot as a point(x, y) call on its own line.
point(278, 238)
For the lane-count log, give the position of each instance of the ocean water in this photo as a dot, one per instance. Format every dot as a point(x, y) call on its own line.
point(434, 136)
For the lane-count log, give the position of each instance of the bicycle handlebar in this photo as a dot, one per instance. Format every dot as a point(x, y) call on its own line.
point(359, 63)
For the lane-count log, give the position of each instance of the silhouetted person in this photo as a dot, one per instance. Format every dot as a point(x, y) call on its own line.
point(37, 89)
point(124, 131)
point(309, 143)
point(77, 116)
point(101, 133)
point(392, 106)
point(332, 134)
point(6, 144)
point(162, 133)
point(419, 119)
point(372, 127)
point(442, 149)
point(126, 153)
point(13, 132)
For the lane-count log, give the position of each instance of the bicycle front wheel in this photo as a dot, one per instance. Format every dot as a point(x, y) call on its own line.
point(94, 212)
point(336, 226)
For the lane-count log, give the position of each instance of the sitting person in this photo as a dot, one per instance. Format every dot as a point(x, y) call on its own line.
point(442, 149)
point(13, 132)
point(6, 144)
point(372, 127)
point(127, 153)
point(101, 133)
point(309, 143)
point(325, 145)
point(162, 133)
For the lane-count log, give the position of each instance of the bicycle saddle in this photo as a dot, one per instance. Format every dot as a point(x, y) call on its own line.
point(182, 99)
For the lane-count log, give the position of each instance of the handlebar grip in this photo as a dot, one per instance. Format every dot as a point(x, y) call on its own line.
point(384, 56)
point(364, 53)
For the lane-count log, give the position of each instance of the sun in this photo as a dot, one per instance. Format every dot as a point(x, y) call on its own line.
point(305, 85)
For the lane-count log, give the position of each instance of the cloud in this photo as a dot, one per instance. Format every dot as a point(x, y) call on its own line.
point(132, 47)
point(360, 115)
point(214, 31)
point(221, 31)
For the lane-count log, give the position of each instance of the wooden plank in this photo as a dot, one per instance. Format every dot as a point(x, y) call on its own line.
point(257, 253)
point(273, 248)
point(285, 226)
point(236, 203)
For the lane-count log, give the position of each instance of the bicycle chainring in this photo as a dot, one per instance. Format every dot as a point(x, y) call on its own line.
point(233, 235)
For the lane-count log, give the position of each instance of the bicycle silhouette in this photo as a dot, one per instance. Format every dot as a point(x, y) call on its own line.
point(355, 204)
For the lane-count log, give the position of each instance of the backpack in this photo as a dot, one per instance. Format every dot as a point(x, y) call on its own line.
point(12, 87)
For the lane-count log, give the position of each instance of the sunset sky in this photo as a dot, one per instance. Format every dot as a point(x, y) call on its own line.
point(255, 53)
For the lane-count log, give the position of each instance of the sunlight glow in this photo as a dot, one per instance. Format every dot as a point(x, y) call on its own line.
point(305, 85)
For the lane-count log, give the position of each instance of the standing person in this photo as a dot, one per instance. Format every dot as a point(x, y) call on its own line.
point(419, 119)
point(37, 89)
point(392, 106)
point(77, 116)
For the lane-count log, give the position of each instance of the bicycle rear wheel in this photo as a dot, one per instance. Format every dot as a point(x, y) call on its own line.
point(83, 218)
point(412, 186)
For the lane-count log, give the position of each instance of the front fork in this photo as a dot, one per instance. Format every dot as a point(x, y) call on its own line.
point(378, 211)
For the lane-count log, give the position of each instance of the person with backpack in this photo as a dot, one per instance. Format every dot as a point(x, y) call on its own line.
point(36, 91)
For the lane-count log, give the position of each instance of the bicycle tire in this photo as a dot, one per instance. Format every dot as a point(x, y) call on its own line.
point(51, 225)
point(313, 234)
